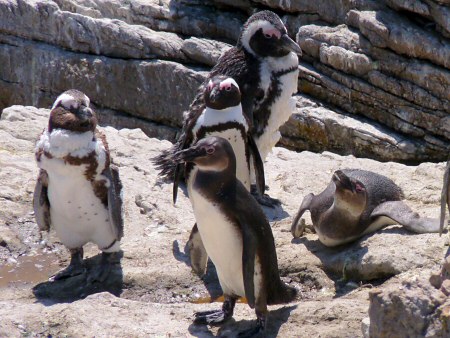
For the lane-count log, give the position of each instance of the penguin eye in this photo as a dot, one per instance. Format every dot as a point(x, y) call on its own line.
point(359, 187)
point(228, 88)
point(268, 36)
point(210, 150)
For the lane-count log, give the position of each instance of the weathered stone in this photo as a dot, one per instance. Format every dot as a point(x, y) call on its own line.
point(186, 17)
point(409, 308)
point(384, 29)
point(345, 134)
point(137, 87)
point(142, 69)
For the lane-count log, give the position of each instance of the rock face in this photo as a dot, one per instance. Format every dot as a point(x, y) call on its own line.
point(153, 291)
point(374, 79)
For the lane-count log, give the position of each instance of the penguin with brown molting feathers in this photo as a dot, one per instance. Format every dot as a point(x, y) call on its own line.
point(264, 64)
point(235, 233)
point(78, 191)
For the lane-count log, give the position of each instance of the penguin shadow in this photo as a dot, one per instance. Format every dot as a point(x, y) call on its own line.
point(352, 254)
point(231, 328)
point(78, 287)
point(275, 213)
point(210, 279)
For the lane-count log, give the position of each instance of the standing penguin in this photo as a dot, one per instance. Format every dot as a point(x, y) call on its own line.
point(222, 116)
point(445, 197)
point(78, 191)
point(235, 233)
point(355, 203)
point(264, 64)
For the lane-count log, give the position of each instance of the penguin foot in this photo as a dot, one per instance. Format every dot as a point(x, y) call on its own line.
point(100, 273)
point(258, 330)
point(217, 316)
point(75, 268)
point(267, 201)
point(211, 317)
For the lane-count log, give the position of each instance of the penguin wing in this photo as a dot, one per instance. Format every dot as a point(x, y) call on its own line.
point(41, 204)
point(248, 260)
point(445, 197)
point(115, 200)
point(256, 233)
point(257, 164)
point(401, 213)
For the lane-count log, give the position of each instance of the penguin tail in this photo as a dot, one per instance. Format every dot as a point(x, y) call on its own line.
point(164, 164)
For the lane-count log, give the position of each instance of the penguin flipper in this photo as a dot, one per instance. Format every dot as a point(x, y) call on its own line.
point(297, 230)
point(41, 204)
point(115, 200)
point(248, 263)
point(402, 214)
point(197, 252)
point(445, 197)
point(257, 164)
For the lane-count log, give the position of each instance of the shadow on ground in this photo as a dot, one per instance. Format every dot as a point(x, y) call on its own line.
point(77, 287)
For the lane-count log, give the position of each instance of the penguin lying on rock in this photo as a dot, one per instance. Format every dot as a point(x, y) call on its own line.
point(235, 233)
point(264, 64)
point(355, 203)
point(78, 191)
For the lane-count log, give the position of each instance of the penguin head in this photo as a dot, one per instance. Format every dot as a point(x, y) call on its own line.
point(349, 192)
point(264, 34)
point(71, 112)
point(209, 154)
point(222, 92)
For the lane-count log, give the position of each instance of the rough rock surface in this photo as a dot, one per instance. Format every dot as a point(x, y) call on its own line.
point(153, 291)
point(379, 69)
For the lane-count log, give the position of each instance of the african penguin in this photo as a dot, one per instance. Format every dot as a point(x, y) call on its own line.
point(355, 203)
point(264, 63)
point(221, 116)
point(78, 190)
point(235, 233)
point(445, 197)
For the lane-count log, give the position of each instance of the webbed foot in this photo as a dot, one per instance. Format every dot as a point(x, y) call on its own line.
point(217, 316)
point(264, 199)
point(75, 268)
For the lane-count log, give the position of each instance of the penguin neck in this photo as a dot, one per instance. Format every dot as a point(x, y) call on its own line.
point(351, 210)
point(214, 183)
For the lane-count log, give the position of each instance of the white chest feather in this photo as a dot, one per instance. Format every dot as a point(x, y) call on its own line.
point(283, 106)
point(222, 241)
point(212, 118)
point(77, 214)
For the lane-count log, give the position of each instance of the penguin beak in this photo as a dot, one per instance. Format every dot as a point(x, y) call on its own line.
point(342, 181)
point(189, 155)
point(85, 114)
point(290, 44)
